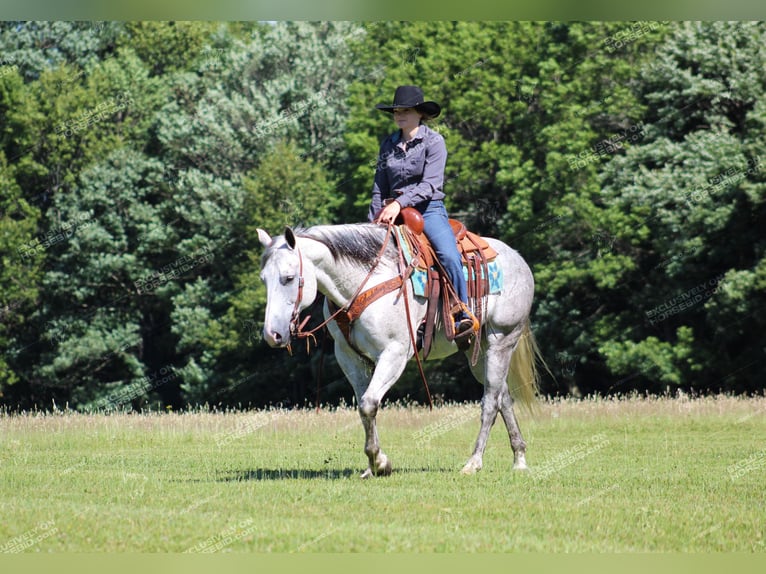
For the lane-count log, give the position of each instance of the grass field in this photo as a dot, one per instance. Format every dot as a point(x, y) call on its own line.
point(625, 475)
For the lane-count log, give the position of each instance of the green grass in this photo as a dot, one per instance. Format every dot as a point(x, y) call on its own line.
point(612, 475)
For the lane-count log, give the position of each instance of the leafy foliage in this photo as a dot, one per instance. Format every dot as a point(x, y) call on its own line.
point(623, 160)
point(696, 183)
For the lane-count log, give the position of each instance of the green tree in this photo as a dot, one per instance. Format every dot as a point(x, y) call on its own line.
point(156, 272)
point(583, 115)
point(93, 319)
point(262, 120)
point(20, 245)
point(695, 184)
point(283, 190)
point(19, 271)
point(36, 46)
point(167, 47)
point(69, 127)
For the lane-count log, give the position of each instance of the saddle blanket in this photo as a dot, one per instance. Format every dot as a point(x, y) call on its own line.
point(419, 277)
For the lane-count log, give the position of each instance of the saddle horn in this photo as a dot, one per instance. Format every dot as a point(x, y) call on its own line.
point(412, 218)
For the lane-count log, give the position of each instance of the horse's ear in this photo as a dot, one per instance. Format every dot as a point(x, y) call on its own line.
point(264, 237)
point(290, 237)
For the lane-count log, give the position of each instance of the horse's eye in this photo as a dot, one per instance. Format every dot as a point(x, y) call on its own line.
point(288, 279)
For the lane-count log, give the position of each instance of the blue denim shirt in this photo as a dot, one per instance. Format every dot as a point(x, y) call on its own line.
point(411, 177)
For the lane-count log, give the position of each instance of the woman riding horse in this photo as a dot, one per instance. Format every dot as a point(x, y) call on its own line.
point(410, 172)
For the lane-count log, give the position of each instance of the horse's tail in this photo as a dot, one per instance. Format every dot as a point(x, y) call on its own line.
point(523, 377)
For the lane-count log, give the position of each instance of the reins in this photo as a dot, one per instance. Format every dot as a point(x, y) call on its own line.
point(406, 271)
point(296, 328)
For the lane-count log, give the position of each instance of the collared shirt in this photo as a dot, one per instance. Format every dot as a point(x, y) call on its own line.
point(412, 175)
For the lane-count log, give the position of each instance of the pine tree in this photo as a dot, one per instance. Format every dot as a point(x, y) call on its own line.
point(695, 184)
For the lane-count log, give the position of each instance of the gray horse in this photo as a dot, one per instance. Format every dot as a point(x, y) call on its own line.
point(334, 260)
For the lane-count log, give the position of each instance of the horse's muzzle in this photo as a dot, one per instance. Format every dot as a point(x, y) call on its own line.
point(275, 338)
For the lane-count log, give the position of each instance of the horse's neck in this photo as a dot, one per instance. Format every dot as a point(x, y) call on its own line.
point(337, 280)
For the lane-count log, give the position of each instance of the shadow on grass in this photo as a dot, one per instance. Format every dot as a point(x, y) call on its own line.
point(264, 474)
point(287, 474)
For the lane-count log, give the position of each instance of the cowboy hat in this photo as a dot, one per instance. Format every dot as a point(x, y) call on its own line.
point(411, 97)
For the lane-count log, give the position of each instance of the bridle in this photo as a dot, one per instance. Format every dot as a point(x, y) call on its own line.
point(295, 327)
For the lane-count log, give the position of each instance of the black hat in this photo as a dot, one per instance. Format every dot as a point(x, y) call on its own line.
point(411, 97)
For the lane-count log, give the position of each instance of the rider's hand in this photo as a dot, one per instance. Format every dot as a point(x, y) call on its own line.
point(389, 213)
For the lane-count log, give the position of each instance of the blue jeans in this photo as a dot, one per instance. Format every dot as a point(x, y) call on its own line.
point(439, 233)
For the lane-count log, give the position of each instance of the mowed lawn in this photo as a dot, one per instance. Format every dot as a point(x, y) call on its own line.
point(630, 475)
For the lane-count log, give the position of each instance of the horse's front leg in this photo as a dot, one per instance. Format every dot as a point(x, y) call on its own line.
point(369, 390)
point(379, 462)
point(388, 369)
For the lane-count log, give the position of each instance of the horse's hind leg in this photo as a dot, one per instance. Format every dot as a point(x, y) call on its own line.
point(518, 444)
point(489, 408)
point(497, 398)
point(492, 373)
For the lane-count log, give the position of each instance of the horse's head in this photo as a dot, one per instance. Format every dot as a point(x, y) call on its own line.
point(290, 286)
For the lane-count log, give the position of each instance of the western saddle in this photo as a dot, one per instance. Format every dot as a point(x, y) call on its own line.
point(475, 253)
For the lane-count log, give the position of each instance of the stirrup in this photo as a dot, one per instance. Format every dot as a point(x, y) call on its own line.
point(465, 325)
point(463, 308)
point(466, 328)
point(464, 339)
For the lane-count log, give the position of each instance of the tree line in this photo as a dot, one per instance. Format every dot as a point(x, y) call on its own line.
point(623, 160)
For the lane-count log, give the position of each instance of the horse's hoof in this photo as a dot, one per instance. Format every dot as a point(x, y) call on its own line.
point(471, 468)
point(520, 462)
point(382, 471)
point(385, 469)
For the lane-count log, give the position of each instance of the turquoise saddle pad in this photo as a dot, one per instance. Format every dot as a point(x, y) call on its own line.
point(419, 277)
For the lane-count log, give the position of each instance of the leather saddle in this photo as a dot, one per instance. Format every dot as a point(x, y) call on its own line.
point(475, 252)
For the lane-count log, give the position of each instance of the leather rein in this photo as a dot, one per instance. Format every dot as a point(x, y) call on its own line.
point(358, 302)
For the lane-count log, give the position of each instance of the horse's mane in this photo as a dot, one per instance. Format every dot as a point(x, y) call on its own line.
point(355, 242)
